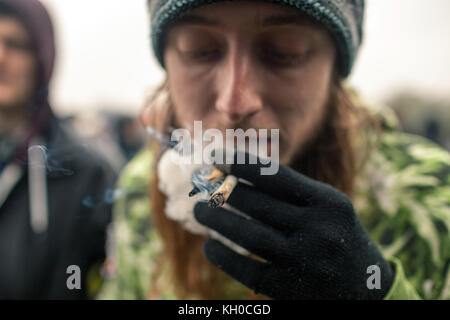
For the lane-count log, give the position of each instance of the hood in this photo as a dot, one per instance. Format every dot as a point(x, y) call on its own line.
point(37, 21)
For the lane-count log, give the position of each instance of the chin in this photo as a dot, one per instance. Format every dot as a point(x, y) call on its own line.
point(5, 105)
point(6, 102)
point(5, 98)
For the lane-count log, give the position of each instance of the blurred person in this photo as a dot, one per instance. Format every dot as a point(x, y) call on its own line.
point(47, 234)
point(352, 195)
point(131, 135)
point(432, 130)
point(423, 115)
point(117, 137)
point(97, 131)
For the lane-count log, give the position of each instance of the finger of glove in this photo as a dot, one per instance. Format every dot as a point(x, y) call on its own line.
point(278, 214)
point(286, 184)
point(249, 234)
point(241, 268)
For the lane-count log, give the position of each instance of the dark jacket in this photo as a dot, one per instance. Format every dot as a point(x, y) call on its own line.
point(34, 258)
point(52, 191)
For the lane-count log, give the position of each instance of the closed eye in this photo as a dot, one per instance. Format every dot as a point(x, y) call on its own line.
point(279, 58)
point(202, 55)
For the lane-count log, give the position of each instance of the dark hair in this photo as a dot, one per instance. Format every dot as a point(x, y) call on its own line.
point(6, 10)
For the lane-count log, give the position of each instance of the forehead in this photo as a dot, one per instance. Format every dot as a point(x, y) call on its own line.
point(229, 15)
point(12, 26)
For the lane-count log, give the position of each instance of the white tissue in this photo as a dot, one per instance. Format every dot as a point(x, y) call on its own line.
point(175, 183)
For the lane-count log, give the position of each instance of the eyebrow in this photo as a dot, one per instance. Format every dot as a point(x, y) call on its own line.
point(292, 19)
point(196, 20)
point(268, 21)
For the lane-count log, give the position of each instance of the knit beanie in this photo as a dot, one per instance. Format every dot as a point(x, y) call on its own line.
point(343, 19)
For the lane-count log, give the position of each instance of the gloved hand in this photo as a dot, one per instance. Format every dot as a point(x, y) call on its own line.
point(307, 232)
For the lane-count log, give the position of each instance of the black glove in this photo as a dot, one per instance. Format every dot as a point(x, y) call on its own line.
point(307, 232)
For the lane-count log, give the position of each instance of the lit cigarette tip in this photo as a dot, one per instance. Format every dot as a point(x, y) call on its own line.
point(217, 200)
point(221, 195)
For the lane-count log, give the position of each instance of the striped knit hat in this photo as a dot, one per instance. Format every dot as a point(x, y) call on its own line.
point(343, 18)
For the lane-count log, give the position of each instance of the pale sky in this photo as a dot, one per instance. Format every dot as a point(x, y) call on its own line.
point(104, 58)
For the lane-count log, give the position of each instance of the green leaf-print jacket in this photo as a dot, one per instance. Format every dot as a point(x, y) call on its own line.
point(403, 200)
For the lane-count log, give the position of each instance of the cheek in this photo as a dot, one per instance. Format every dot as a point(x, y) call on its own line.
point(23, 74)
point(309, 97)
point(299, 109)
point(309, 85)
point(191, 97)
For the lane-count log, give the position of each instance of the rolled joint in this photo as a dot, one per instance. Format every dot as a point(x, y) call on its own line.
point(221, 195)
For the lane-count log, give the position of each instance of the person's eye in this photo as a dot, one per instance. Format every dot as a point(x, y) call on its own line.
point(202, 55)
point(280, 58)
point(17, 45)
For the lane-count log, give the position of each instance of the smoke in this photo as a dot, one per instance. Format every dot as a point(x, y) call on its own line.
point(163, 139)
point(52, 159)
point(201, 185)
point(108, 197)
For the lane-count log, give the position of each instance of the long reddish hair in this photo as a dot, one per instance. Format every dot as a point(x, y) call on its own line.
point(331, 157)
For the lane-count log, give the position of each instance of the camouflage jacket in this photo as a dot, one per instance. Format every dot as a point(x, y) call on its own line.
point(403, 200)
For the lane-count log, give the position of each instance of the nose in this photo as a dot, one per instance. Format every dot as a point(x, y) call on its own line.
point(238, 96)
